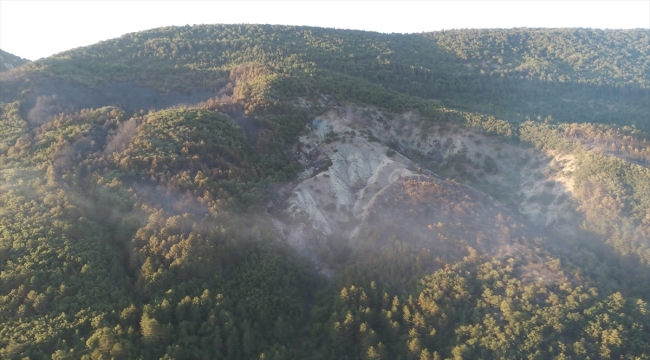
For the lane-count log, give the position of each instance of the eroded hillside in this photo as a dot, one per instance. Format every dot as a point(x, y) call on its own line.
point(269, 192)
point(361, 161)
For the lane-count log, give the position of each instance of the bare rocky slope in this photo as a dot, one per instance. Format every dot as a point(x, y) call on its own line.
point(360, 184)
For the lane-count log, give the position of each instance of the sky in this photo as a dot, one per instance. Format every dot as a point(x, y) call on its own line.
point(36, 29)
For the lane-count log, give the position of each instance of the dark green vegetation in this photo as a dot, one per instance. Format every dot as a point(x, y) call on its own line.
point(573, 75)
point(139, 184)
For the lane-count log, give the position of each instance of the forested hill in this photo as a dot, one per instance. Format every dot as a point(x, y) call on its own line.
point(9, 61)
point(573, 75)
point(275, 192)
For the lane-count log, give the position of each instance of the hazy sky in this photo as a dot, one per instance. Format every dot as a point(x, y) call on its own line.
point(35, 29)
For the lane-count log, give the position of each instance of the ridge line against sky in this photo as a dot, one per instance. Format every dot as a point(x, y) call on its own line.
point(36, 29)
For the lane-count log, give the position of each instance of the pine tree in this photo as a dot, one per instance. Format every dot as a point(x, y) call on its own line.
point(152, 331)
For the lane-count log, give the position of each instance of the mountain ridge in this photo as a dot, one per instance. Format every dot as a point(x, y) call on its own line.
point(9, 61)
point(249, 191)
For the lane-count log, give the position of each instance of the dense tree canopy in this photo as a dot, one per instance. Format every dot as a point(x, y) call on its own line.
point(143, 178)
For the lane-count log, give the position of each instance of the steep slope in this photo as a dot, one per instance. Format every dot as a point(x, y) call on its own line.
point(357, 186)
point(9, 61)
point(276, 192)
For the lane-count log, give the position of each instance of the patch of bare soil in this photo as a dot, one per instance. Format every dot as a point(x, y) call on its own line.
point(357, 187)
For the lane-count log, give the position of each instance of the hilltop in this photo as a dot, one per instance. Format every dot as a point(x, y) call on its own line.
point(9, 61)
point(276, 192)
